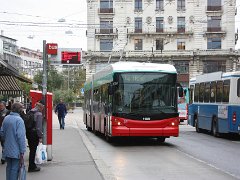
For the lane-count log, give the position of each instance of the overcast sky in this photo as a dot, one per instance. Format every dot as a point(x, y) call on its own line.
point(37, 17)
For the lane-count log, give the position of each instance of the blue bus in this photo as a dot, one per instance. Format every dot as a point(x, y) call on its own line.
point(215, 102)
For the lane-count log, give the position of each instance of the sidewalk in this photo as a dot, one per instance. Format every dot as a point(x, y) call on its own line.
point(71, 159)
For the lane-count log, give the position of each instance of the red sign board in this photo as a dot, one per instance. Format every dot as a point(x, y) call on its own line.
point(52, 48)
point(71, 57)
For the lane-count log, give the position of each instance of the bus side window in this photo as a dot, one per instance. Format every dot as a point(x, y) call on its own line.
point(219, 91)
point(201, 92)
point(191, 94)
point(226, 90)
point(213, 92)
point(207, 92)
point(196, 93)
point(238, 88)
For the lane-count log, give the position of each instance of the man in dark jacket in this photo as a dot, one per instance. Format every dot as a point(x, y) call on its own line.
point(35, 135)
point(61, 111)
point(3, 112)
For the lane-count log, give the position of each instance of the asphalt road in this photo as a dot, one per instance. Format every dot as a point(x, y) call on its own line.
point(189, 156)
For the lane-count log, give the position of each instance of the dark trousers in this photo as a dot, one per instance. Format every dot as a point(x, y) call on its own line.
point(2, 144)
point(61, 121)
point(33, 142)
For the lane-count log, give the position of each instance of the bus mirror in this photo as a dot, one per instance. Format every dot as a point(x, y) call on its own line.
point(180, 92)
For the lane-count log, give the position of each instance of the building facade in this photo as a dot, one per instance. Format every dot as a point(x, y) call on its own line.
point(31, 61)
point(9, 51)
point(196, 36)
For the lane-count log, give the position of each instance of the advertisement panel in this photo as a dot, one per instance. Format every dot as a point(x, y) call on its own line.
point(68, 57)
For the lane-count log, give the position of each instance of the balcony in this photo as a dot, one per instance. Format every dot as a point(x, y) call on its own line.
point(159, 30)
point(106, 32)
point(214, 32)
point(106, 11)
point(151, 31)
point(181, 30)
point(214, 10)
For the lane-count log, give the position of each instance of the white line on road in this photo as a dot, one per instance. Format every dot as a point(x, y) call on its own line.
point(208, 164)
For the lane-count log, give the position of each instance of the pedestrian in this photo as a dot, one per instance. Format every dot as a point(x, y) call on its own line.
point(13, 133)
point(3, 112)
point(61, 112)
point(34, 135)
point(9, 106)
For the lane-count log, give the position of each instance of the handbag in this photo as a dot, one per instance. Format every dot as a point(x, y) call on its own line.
point(41, 154)
point(22, 173)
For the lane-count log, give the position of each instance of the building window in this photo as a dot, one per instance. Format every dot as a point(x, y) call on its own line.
point(106, 26)
point(159, 5)
point(182, 67)
point(138, 25)
point(214, 5)
point(159, 24)
point(214, 43)
point(181, 5)
point(214, 24)
point(159, 44)
point(138, 5)
point(180, 44)
point(106, 6)
point(181, 24)
point(214, 66)
point(138, 44)
point(106, 44)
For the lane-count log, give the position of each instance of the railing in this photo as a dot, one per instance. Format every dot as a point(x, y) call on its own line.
point(153, 30)
point(106, 31)
point(106, 11)
point(213, 8)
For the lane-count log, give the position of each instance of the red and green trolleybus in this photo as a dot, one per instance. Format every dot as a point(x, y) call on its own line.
point(133, 99)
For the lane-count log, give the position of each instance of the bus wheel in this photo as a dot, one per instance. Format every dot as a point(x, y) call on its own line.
point(215, 127)
point(161, 139)
point(197, 125)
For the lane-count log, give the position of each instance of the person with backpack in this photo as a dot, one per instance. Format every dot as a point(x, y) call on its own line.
point(3, 112)
point(61, 112)
point(33, 124)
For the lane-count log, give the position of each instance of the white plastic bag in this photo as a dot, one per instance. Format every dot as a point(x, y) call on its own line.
point(41, 154)
point(22, 173)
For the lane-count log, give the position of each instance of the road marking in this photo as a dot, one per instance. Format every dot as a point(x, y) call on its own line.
point(208, 164)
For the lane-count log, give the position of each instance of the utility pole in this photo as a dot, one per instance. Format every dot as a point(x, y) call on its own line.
point(44, 92)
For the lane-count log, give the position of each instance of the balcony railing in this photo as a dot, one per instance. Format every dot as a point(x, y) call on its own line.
point(159, 30)
point(214, 8)
point(181, 30)
point(106, 32)
point(138, 30)
point(106, 11)
point(214, 29)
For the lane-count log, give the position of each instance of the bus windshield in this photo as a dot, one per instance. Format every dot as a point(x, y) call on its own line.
point(145, 93)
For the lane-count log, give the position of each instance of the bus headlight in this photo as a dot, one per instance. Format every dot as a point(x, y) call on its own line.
point(173, 124)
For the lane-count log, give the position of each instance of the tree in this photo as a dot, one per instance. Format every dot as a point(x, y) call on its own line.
point(55, 79)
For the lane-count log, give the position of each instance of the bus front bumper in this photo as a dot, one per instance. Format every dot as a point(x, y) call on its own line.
point(153, 132)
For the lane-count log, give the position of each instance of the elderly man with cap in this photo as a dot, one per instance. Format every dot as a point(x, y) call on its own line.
point(34, 135)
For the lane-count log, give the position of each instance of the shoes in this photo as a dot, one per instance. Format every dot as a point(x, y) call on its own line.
point(2, 161)
point(34, 170)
